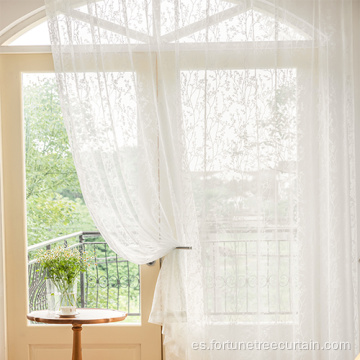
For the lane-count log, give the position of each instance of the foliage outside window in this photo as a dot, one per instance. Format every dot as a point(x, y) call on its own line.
point(55, 205)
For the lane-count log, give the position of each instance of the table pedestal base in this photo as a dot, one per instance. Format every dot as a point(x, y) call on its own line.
point(76, 352)
point(85, 316)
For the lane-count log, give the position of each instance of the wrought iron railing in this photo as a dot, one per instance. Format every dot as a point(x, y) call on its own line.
point(113, 283)
point(250, 271)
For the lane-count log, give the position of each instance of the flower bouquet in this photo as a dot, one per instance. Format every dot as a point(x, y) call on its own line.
point(62, 266)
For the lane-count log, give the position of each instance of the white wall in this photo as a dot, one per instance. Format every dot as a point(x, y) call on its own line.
point(14, 12)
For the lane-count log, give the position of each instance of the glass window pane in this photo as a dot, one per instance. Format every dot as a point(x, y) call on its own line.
point(56, 208)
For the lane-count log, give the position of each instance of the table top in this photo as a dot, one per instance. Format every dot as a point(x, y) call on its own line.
point(85, 316)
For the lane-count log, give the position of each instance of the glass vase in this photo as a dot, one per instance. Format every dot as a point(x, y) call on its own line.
point(68, 296)
point(52, 297)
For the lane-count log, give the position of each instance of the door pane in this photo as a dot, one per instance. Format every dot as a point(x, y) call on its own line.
point(56, 211)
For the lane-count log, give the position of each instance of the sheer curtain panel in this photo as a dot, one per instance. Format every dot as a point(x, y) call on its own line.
point(226, 126)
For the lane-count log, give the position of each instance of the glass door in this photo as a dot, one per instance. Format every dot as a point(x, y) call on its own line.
point(49, 211)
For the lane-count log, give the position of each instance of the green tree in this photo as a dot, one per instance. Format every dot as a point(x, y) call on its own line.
point(55, 204)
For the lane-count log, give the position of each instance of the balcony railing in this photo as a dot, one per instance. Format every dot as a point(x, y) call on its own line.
point(114, 283)
point(249, 272)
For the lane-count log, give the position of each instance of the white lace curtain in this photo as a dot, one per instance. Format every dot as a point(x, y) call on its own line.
point(227, 126)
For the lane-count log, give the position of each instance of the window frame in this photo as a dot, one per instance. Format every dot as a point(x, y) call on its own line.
point(145, 335)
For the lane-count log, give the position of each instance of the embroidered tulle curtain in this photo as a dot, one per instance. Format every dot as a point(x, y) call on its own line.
point(227, 127)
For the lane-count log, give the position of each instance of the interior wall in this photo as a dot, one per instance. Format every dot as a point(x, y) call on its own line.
point(11, 11)
point(17, 15)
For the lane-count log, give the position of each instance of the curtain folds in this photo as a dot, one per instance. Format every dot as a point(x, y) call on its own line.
point(227, 127)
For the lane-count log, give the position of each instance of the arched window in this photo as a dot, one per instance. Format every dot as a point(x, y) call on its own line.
point(37, 35)
point(237, 103)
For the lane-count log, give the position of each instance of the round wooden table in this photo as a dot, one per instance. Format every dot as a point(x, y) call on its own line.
point(85, 316)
